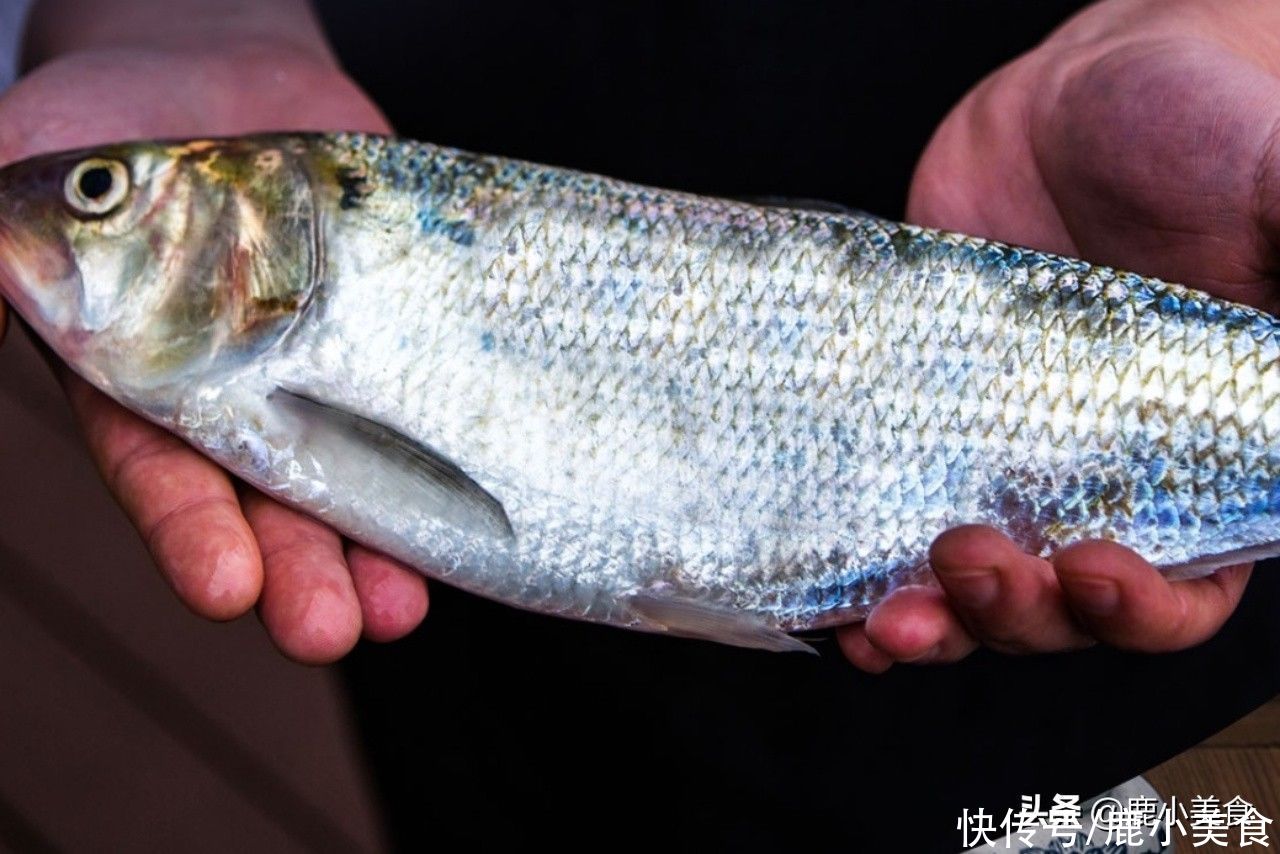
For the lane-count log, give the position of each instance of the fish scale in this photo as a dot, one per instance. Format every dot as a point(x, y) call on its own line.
point(642, 407)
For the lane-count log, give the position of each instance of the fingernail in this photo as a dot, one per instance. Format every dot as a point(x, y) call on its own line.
point(974, 589)
point(1097, 596)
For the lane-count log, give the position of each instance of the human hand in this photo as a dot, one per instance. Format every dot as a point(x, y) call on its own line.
point(129, 69)
point(1143, 134)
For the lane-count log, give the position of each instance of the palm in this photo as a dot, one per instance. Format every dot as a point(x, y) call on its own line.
point(1157, 158)
point(1143, 135)
point(222, 551)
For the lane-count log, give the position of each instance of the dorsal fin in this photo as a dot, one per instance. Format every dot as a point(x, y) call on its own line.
point(818, 205)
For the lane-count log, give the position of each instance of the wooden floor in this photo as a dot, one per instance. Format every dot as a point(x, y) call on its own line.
point(127, 724)
point(1243, 760)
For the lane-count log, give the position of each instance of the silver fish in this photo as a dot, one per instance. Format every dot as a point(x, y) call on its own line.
point(633, 406)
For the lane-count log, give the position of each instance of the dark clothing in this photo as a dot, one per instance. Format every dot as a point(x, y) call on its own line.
point(490, 725)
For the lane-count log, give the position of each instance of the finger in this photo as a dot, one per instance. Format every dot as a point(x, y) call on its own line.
point(855, 646)
point(309, 603)
point(916, 625)
point(1009, 600)
point(1124, 601)
point(393, 598)
point(182, 504)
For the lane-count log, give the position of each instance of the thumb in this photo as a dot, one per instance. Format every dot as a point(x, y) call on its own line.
point(979, 175)
point(1122, 600)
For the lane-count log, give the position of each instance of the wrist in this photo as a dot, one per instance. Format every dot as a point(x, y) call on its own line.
point(170, 93)
point(286, 28)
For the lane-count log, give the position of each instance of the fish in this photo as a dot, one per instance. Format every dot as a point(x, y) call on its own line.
point(704, 417)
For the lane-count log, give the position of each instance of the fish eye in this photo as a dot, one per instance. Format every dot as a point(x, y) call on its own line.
point(96, 186)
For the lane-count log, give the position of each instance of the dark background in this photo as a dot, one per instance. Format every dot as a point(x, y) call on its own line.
point(490, 725)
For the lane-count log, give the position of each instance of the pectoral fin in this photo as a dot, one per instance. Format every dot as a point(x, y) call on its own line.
point(692, 619)
point(379, 456)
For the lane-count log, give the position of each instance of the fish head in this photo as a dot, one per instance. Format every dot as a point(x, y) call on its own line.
point(149, 264)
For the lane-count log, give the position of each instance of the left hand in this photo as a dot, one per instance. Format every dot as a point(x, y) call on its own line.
point(1143, 134)
point(146, 69)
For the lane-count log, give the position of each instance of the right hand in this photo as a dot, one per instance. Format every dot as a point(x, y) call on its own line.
point(1143, 134)
point(129, 69)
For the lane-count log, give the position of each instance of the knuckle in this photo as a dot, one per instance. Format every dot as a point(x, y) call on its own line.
point(154, 532)
point(293, 550)
point(135, 464)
